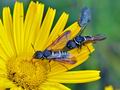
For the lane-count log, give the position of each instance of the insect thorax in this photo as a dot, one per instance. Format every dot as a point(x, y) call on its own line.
point(79, 40)
point(47, 53)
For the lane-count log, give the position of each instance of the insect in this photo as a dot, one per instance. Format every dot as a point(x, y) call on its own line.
point(79, 40)
point(54, 51)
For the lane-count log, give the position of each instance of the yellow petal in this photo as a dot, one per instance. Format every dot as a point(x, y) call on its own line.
point(40, 8)
point(2, 65)
point(18, 25)
point(53, 86)
point(45, 29)
point(110, 87)
point(58, 28)
point(16, 88)
point(5, 83)
point(4, 41)
point(74, 28)
point(1, 88)
point(32, 25)
point(7, 22)
point(3, 54)
point(3, 73)
point(29, 20)
point(75, 76)
point(83, 51)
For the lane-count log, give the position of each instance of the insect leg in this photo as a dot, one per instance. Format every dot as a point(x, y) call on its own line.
point(7, 89)
point(32, 60)
point(87, 47)
point(79, 48)
point(82, 29)
point(64, 66)
point(49, 66)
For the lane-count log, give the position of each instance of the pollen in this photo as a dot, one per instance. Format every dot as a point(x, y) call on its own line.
point(25, 73)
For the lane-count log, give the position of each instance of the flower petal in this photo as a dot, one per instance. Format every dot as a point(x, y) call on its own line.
point(109, 87)
point(18, 26)
point(2, 66)
point(16, 88)
point(75, 76)
point(8, 25)
point(3, 54)
point(75, 29)
point(1, 88)
point(5, 83)
point(29, 20)
point(83, 51)
point(32, 24)
point(4, 42)
point(45, 29)
point(58, 28)
point(53, 86)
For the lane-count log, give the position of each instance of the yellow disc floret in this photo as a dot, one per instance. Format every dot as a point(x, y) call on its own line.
point(25, 73)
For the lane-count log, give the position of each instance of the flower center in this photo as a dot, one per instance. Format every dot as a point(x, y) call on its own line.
point(25, 73)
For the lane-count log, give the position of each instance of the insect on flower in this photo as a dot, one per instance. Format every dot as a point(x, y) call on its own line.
point(54, 51)
point(79, 40)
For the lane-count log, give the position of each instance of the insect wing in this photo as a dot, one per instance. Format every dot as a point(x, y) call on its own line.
point(70, 59)
point(94, 39)
point(60, 42)
point(99, 38)
point(85, 17)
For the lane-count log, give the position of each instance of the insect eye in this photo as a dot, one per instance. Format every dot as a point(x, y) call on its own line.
point(38, 54)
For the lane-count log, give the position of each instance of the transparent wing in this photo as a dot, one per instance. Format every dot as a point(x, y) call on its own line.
point(60, 42)
point(99, 37)
point(71, 59)
point(84, 19)
point(95, 38)
point(67, 60)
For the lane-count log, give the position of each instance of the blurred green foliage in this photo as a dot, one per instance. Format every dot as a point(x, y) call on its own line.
point(105, 20)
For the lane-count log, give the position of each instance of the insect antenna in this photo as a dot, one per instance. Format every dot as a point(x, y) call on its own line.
point(49, 65)
point(33, 47)
point(34, 51)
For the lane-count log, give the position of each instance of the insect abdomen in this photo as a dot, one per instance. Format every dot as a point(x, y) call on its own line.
point(59, 55)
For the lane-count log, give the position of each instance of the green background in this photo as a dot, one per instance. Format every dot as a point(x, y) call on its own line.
point(105, 20)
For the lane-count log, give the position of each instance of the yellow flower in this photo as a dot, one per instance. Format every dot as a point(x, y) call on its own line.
point(109, 87)
point(17, 71)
